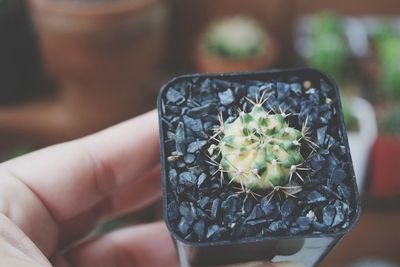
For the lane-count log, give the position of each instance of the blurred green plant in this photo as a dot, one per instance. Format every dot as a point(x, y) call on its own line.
point(236, 37)
point(389, 54)
point(349, 120)
point(383, 30)
point(390, 123)
point(329, 50)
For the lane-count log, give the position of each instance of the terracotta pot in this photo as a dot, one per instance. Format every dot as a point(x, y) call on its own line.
point(190, 17)
point(385, 163)
point(102, 55)
point(208, 62)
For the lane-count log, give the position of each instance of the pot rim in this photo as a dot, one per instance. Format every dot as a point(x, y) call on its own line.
point(357, 204)
point(102, 8)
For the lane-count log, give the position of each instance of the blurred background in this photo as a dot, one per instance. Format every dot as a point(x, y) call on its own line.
point(71, 67)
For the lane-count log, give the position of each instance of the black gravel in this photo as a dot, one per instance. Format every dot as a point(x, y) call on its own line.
point(203, 207)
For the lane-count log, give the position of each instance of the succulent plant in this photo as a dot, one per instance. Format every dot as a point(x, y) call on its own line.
point(259, 150)
point(329, 48)
point(237, 37)
point(390, 63)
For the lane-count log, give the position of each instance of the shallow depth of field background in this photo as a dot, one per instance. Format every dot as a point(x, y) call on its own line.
point(71, 67)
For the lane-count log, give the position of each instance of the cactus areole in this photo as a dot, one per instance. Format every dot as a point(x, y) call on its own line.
point(259, 149)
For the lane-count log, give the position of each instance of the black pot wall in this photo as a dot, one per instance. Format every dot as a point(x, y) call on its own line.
point(307, 247)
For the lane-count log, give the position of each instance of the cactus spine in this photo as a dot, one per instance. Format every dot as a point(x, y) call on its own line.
point(259, 150)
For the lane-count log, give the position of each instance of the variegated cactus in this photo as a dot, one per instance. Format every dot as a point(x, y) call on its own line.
point(260, 150)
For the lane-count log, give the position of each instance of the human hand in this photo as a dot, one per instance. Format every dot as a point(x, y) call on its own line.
point(51, 198)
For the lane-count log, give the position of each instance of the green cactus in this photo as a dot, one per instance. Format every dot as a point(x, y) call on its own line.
point(390, 64)
point(259, 150)
point(329, 48)
point(237, 37)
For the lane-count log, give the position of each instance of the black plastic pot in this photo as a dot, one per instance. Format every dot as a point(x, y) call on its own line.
point(307, 248)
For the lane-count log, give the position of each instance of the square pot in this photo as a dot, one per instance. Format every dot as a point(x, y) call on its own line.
point(214, 223)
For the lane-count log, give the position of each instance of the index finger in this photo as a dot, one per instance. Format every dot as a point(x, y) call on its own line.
point(72, 177)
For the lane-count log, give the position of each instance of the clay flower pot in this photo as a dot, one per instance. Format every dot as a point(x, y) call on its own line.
point(211, 61)
point(213, 214)
point(385, 161)
point(102, 55)
point(208, 62)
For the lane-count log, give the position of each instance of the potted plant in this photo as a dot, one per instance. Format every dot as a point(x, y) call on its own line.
point(255, 166)
point(386, 152)
point(389, 56)
point(328, 49)
point(102, 55)
point(386, 156)
point(235, 44)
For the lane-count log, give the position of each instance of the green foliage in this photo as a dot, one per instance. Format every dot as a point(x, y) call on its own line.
point(329, 48)
point(260, 150)
point(389, 52)
point(390, 123)
point(237, 38)
point(349, 120)
point(383, 31)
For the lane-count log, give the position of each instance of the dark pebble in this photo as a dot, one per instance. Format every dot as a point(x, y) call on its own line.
point(344, 191)
point(304, 223)
point(325, 88)
point(338, 176)
point(180, 138)
point(267, 206)
point(226, 97)
point(215, 208)
point(320, 227)
point(200, 229)
point(183, 227)
point(189, 158)
point(199, 111)
point(248, 205)
point(253, 92)
point(340, 213)
point(173, 211)
point(277, 226)
point(173, 176)
point(201, 179)
point(205, 86)
point(187, 178)
point(296, 88)
point(288, 207)
point(328, 214)
point(203, 202)
point(202, 214)
point(188, 212)
point(173, 96)
point(256, 213)
point(283, 90)
point(321, 134)
point(294, 230)
point(196, 146)
point(317, 163)
point(231, 204)
point(212, 230)
point(315, 197)
point(193, 124)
